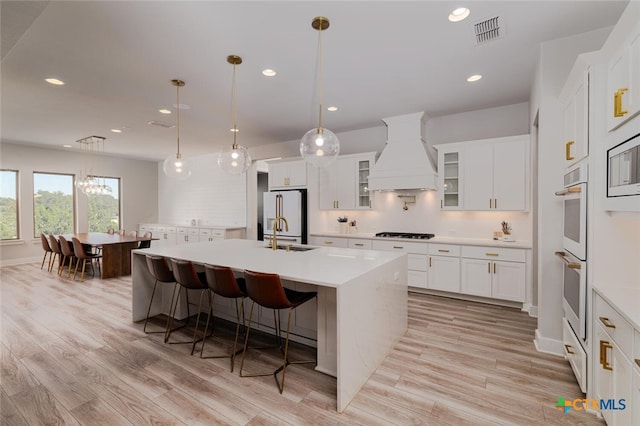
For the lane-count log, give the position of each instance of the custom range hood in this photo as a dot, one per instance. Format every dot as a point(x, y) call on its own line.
point(404, 162)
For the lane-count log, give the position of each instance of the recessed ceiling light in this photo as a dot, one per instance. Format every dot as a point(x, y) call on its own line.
point(459, 14)
point(66, 146)
point(332, 108)
point(268, 72)
point(116, 130)
point(54, 81)
point(474, 77)
point(164, 111)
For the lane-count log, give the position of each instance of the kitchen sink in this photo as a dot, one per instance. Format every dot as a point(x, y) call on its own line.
point(292, 248)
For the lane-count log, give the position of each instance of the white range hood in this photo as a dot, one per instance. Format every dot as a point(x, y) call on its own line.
point(404, 162)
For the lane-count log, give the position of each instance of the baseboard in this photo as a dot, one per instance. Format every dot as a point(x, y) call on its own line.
point(548, 346)
point(21, 261)
point(533, 310)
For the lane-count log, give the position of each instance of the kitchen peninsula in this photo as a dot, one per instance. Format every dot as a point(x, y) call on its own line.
point(362, 298)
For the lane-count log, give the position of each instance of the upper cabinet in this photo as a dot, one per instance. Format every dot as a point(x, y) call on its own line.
point(343, 185)
point(623, 82)
point(575, 96)
point(488, 174)
point(287, 174)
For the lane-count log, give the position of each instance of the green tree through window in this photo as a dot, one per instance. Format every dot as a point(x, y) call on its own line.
point(53, 207)
point(8, 205)
point(104, 209)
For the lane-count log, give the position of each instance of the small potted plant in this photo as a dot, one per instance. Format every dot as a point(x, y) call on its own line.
point(342, 224)
point(506, 231)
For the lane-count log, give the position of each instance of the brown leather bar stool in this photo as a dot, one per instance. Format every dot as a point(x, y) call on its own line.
point(266, 290)
point(47, 251)
point(222, 282)
point(187, 277)
point(159, 268)
point(67, 254)
point(83, 256)
point(55, 247)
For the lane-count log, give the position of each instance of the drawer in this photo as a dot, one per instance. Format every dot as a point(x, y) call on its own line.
point(359, 243)
point(417, 279)
point(218, 233)
point(161, 229)
point(409, 247)
point(615, 325)
point(494, 253)
point(194, 232)
point(205, 233)
point(576, 356)
point(417, 262)
point(444, 250)
point(330, 242)
point(181, 231)
point(636, 350)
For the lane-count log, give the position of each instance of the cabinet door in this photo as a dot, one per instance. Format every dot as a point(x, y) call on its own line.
point(478, 177)
point(509, 172)
point(444, 273)
point(364, 196)
point(297, 173)
point(476, 277)
point(576, 121)
point(508, 281)
point(622, 375)
point(450, 180)
point(603, 380)
point(278, 175)
point(623, 83)
point(337, 186)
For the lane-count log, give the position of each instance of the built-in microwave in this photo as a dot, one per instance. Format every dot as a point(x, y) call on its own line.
point(574, 199)
point(623, 168)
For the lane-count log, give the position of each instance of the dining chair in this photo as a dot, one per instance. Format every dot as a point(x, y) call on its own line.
point(47, 251)
point(55, 247)
point(67, 253)
point(132, 234)
point(121, 232)
point(111, 231)
point(267, 291)
point(82, 255)
point(147, 243)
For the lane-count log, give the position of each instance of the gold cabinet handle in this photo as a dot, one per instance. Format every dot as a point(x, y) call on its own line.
point(398, 247)
point(328, 242)
point(358, 244)
point(490, 205)
point(488, 267)
point(567, 191)
point(567, 150)
point(617, 103)
point(495, 203)
point(606, 322)
point(443, 251)
point(494, 267)
point(441, 204)
point(567, 262)
point(429, 261)
point(604, 345)
point(492, 254)
point(568, 349)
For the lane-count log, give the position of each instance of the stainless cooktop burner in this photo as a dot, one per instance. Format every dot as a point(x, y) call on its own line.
point(410, 235)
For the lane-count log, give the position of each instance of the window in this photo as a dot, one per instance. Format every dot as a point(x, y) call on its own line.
point(9, 205)
point(104, 209)
point(53, 206)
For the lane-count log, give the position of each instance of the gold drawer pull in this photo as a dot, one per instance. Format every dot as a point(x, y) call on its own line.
point(492, 254)
point(604, 345)
point(328, 242)
point(358, 244)
point(617, 103)
point(568, 349)
point(443, 251)
point(398, 247)
point(572, 265)
point(567, 150)
point(607, 323)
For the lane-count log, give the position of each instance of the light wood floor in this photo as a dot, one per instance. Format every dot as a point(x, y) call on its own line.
point(71, 355)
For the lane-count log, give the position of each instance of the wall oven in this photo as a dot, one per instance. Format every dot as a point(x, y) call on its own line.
point(574, 292)
point(574, 198)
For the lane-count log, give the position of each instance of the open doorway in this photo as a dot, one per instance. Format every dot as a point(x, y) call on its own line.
point(263, 186)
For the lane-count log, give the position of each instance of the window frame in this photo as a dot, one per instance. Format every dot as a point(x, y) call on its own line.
point(17, 179)
point(73, 195)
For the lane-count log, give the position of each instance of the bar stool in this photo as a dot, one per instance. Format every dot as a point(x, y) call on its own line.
point(83, 256)
point(67, 252)
point(187, 277)
point(222, 282)
point(47, 250)
point(266, 290)
point(159, 268)
point(55, 247)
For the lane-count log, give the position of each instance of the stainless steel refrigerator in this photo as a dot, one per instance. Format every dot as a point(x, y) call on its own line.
point(292, 205)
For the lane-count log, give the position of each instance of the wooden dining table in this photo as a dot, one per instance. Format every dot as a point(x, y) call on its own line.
point(116, 250)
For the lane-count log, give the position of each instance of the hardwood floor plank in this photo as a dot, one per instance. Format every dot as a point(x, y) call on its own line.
point(15, 376)
point(39, 407)
point(97, 412)
point(9, 414)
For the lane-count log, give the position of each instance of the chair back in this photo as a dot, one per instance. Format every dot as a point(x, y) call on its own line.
point(78, 248)
point(111, 231)
point(186, 275)
point(145, 244)
point(55, 247)
point(159, 268)
point(222, 281)
point(121, 232)
point(66, 249)
point(266, 290)
point(45, 243)
point(132, 234)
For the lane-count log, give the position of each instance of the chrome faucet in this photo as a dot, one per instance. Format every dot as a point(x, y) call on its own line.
point(276, 227)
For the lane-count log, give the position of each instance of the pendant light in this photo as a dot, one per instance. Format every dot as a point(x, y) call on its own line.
point(319, 146)
point(177, 167)
point(87, 182)
point(235, 159)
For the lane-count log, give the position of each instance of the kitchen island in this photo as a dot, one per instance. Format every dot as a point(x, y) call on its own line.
point(362, 298)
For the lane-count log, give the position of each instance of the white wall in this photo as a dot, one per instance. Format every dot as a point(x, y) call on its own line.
point(139, 191)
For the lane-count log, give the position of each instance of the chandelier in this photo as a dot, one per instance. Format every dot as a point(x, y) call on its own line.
point(175, 166)
point(87, 182)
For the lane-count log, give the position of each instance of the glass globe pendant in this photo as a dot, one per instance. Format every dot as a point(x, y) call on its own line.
point(175, 166)
point(235, 160)
point(319, 146)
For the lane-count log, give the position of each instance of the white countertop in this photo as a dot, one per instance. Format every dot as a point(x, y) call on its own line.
point(326, 266)
point(626, 300)
point(436, 240)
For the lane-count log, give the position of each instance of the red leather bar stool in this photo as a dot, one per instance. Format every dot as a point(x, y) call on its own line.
point(267, 290)
point(222, 282)
point(187, 278)
point(159, 269)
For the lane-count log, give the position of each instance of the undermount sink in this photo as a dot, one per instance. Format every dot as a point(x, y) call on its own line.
point(292, 248)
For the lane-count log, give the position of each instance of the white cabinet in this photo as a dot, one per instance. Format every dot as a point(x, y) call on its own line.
point(575, 96)
point(575, 354)
point(494, 272)
point(416, 258)
point(623, 82)
point(171, 235)
point(166, 236)
point(287, 174)
point(360, 243)
point(444, 268)
point(343, 185)
point(449, 178)
point(329, 241)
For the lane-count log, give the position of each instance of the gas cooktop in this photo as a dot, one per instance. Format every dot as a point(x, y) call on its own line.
point(405, 235)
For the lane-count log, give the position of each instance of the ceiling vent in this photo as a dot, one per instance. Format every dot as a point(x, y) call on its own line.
point(161, 124)
point(488, 29)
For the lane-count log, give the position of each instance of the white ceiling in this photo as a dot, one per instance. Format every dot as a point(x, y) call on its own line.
point(381, 58)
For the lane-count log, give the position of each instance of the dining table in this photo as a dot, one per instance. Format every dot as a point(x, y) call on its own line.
point(116, 250)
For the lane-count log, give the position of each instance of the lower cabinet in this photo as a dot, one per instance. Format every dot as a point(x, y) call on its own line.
point(329, 241)
point(444, 268)
point(575, 354)
point(171, 235)
point(484, 275)
point(417, 259)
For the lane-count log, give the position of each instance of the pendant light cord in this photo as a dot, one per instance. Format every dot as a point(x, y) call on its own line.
point(178, 118)
point(319, 61)
point(234, 107)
